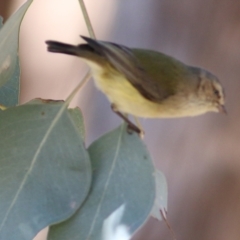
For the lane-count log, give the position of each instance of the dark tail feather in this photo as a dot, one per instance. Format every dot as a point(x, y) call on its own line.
point(94, 44)
point(58, 47)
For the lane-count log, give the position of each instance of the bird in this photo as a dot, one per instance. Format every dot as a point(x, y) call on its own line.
point(146, 83)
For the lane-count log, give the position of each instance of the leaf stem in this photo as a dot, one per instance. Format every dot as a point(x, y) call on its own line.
point(92, 35)
point(87, 19)
point(78, 87)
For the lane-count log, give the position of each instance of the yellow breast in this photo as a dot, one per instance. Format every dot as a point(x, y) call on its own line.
point(127, 99)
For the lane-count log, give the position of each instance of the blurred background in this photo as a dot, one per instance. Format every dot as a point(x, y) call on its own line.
point(199, 156)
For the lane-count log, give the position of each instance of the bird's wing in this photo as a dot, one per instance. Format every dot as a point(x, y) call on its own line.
point(124, 61)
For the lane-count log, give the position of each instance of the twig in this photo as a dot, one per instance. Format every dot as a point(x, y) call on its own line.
point(87, 19)
point(78, 87)
point(164, 216)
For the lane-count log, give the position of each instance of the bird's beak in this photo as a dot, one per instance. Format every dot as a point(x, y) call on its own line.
point(222, 109)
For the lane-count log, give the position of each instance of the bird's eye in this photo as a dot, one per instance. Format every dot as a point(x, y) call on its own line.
point(216, 92)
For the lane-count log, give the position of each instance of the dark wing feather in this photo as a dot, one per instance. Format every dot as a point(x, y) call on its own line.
point(122, 59)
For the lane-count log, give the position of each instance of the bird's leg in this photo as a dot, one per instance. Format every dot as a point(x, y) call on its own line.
point(131, 126)
point(139, 126)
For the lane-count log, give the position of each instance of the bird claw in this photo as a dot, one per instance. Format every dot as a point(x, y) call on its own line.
point(130, 126)
point(133, 128)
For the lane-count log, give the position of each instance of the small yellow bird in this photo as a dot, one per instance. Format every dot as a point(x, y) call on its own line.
point(146, 83)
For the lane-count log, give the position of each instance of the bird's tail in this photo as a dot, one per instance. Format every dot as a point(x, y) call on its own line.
point(84, 51)
point(58, 47)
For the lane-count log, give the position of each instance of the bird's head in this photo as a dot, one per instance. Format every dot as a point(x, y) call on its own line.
point(210, 92)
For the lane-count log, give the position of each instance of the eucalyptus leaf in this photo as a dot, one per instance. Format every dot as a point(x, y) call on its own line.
point(9, 92)
point(78, 120)
point(123, 173)
point(9, 62)
point(45, 172)
point(160, 203)
point(112, 227)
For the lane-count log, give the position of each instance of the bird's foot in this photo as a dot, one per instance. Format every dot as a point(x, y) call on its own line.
point(131, 127)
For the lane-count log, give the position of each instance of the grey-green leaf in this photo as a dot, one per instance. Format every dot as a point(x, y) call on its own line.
point(77, 118)
point(112, 227)
point(9, 92)
point(45, 172)
point(9, 63)
point(123, 173)
point(160, 203)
